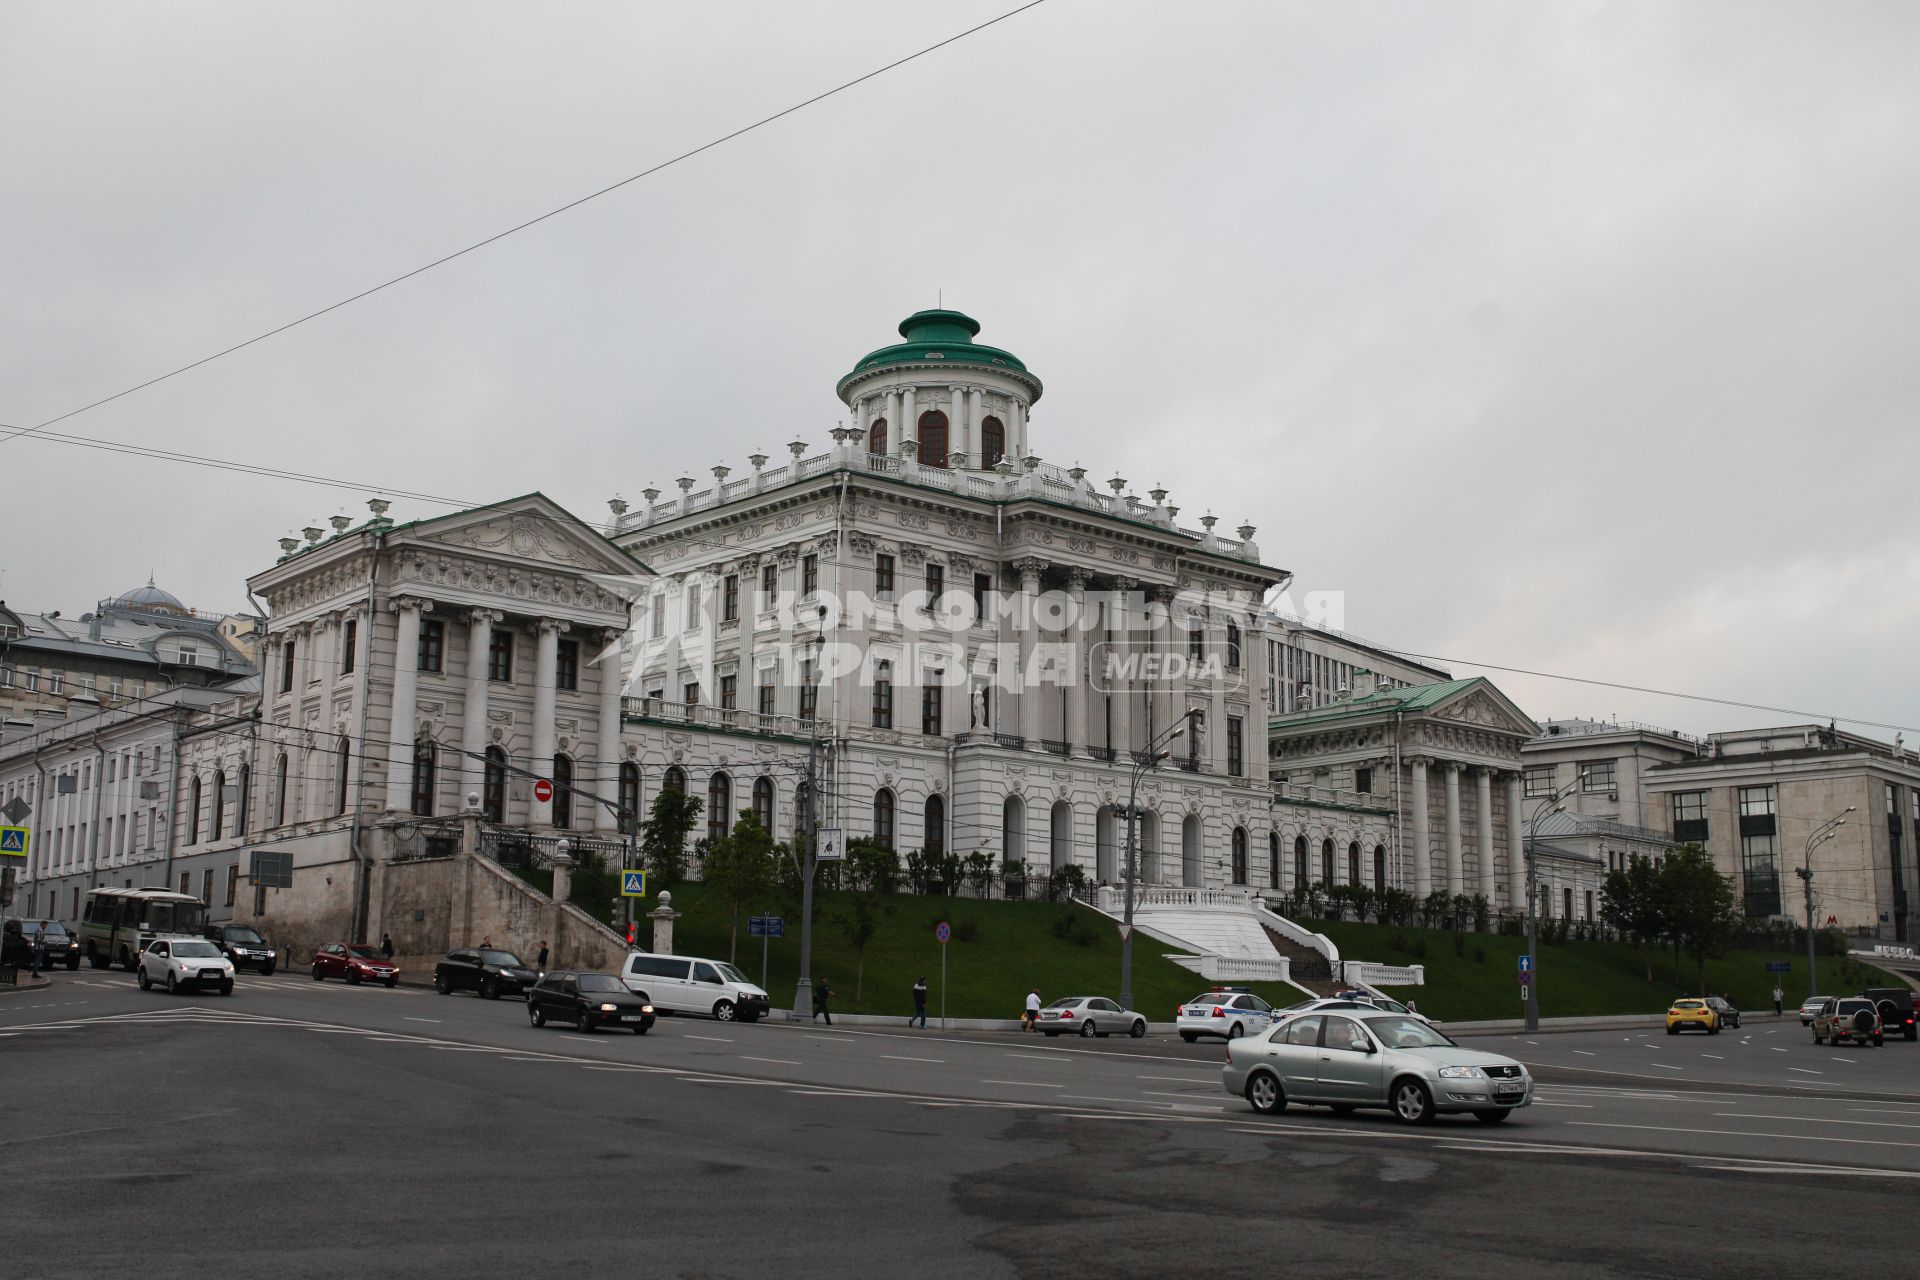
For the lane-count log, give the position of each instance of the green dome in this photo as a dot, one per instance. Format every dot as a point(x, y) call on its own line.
point(941, 336)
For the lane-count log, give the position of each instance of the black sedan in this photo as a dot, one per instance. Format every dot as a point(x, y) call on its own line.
point(486, 971)
point(62, 947)
point(589, 1001)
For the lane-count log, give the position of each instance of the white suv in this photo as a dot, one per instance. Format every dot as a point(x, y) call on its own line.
point(183, 964)
point(689, 984)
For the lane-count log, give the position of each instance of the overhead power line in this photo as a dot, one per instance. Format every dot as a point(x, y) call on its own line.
point(18, 432)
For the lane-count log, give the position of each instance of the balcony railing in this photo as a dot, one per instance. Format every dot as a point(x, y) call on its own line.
point(1055, 746)
point(1102, 753)
point(1012, 741)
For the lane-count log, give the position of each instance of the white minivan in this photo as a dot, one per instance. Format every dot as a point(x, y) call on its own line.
point(689, 984)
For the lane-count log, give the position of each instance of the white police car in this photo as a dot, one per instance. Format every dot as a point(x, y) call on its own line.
point(1227, 1012)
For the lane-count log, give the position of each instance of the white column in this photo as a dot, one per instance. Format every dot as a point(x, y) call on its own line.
point(611, 689)
point(473, 726)
point(1455, 880)
point(894, 431)
point(1076, 638)
point(786, 697)
point(749, 571)
point(1422, 851)
point(302, 664)
point(1018, 444)
point(1483, 819)
point(953, 420)
point(1119, 686)
point(968, 441)
point(909, 425)
point(1217, 697)
point(545, 665)
point(1516, 847)
point(401, 725)
point(1030, 692)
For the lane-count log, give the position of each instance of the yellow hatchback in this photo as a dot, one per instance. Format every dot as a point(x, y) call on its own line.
point(1696, 1014)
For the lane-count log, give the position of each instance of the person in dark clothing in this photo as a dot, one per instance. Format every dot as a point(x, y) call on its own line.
point(39, 948)
point(821, 991)
point(919, 1004)
point(540, 961)
point(386, 945)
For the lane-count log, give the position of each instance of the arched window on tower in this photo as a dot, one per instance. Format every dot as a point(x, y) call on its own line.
point(883, 818)
point(763, 802)
point(193, 811)
point(933, 825)
point(993, 441)
point(933, 438)
point(219, 802)
point(675, 779)
point(877, 436)
point(1239, 855)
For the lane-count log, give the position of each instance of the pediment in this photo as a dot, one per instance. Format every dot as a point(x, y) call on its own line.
point(1483, 708)
point(533, 531)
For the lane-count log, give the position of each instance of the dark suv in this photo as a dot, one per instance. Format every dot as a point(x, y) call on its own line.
point(16, 944)
point(242, 945)
point(487, 971)
point(1896, 1010)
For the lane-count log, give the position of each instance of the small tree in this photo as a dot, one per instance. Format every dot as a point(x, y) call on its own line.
point(1702, 907)
point(1364, 901)
point(871, 868)
point(979, 872)
point(1433, 908)
point(741, 866)
point(1630, 903)
point(921, 870)
point(858, 922)
point(663, 836)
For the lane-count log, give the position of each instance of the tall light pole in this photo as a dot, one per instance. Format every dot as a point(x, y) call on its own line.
point(810, 843)
point(1148, 760)
point(1552, 804)
point(1819, 836)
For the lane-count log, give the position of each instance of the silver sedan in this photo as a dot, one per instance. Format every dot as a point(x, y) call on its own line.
point(1348, 1060)
point(1090, 1016)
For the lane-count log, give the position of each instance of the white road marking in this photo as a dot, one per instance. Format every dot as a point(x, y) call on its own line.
point(1094, 1097)
point(715, 1039)
point(901, 1057)
point(1716, 1057)
point(1845, 1059)
point(1870, 1124)
point(423, 1019)
point(1027, 1084)
point(1807, 1071)
point(785, 1062)
point(1215, 1081)
point(1533, 1042)
point(1585, 1053)
point(1667, 1066)
point(1162, 1093)
point(1776, 1048)
point(1741, 1133)
point(1584, 1106)
point(1034, 1057)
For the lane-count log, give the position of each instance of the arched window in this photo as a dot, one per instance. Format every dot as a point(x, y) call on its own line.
point(800, 798)
point(719, 806)
point(1379, 868)
point(1353, 863)
point(246, 800)
point(1326, 862)
point(883, 818)
point(629, 797)
point(877, 436)
point(342, 765)
point(219, 801)
point(1190, 851)
point(993, 441)
point(1299, 862)
point(193, 811)
point(1273, 859)
point(563, 792)
point(423, 771)
point(933, 438)
point(280, 790)
point(1060, 835)
point(763, 802)
point(493, 786)
point(1106, 845)
point(1239, 855)
point(675, 779)
point(1013, 830)
point(933, 825)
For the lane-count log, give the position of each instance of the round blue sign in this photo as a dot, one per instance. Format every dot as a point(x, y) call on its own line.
point(943, 931)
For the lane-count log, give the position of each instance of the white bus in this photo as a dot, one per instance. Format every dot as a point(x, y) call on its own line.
point(117, 924)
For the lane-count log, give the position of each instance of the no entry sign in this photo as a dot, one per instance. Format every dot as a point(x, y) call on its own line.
point(542, 790)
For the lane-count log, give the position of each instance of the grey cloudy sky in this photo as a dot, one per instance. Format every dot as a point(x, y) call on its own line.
point(1573, 336)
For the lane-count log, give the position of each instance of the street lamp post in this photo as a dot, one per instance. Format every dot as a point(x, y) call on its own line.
point(803, 986)
point(1819, 836)
point(1147, 760)
point(1552, 804)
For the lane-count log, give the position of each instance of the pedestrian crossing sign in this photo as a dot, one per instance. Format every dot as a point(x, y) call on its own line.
point(13, 842)
point(633, 884)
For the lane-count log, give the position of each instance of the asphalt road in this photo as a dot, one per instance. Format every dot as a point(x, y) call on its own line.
point(319, 1130)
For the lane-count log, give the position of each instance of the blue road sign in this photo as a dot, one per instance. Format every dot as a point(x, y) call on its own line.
point(13, 841)
point(1779, 966)
point(943, 931)
point(766, 927)
point(1526, 964)
point(633, 884)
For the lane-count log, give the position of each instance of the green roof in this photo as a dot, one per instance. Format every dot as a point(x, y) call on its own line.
point(943, 336)
point(1414, 697)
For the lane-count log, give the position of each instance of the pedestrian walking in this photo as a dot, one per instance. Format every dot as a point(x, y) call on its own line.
point(386, 945)
point(540, 961)
point(919, 1004)
point(821, 991)
point(1031, 1018)
point(486, 942)
point(39, 949)
point(1779, 999)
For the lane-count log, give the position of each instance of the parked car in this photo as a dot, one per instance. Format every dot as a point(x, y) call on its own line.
point(242, 945)
point(1853, 1018)
point(1692, 1013)
point(1347, 1060)
point(355, 962)
point(184, 964)
point(16, 943)
point(1227, 1012)
point(1086, 1015)
point(690, 984)
point(486, 971)
point(1724, 1009)
point(1895, 1005)
point(1809, 1007)
point(589, 1001)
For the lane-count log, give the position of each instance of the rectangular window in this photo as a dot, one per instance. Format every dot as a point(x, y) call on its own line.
point(1759, 852)
point(982, 590)
point(1690, 817)
point(730, 598)
point(286, 665)
point(729, 692)
point(1597, 776)
point(350, 646)
point(233, 882)
point(692, 621)
point(1539, 781)
point(936, 584)
point(566, 665)
point(930, 701)
point(433, 645)
point(657, 622)
point(809, 690)
point(500, 656)
point(767, 694)
point(769, 585)
point(809, 575)
point(1196, 641)
point(883, 577)
point(1363, 781)
point(1236, 762)
point(690, 693)
point(883, 695)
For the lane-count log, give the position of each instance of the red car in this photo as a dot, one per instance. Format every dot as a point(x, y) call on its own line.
point(354, 962)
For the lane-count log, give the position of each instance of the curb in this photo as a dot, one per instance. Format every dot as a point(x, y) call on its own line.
point(27, 983)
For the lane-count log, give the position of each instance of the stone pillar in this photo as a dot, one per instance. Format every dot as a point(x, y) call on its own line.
point(749, 571)
point(1483, 820)
point(612, 688)
point(1516, 847)
point(1217, 702)
point(909, 421)
point(302, 664)
point(786, 698)
point(663, 917)
point(473, 724)
point(1031, 698)
point(1076, 637)
point(1422, 836)
point(954, 419)
point(406, 680)
point(894, 435)
point(545, 665)
point(1017, 430)
point(1455, 881)
point(968, 441)
point(1119, 685)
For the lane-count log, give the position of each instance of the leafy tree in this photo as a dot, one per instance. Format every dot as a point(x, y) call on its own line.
point(1433, 908)
point(741, 866)
point(979, 872)
point(1630, 902)
point(663, 836)
point(858, 922)
point(1482, 913)
point(1702, 906)
point(1364, 901)
point(952, 869)
point(871, 868)
point(921, 870)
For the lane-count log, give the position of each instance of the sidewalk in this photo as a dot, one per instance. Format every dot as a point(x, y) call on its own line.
point(27, 982)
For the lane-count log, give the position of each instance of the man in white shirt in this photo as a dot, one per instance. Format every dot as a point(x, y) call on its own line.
point(1032, 1018)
